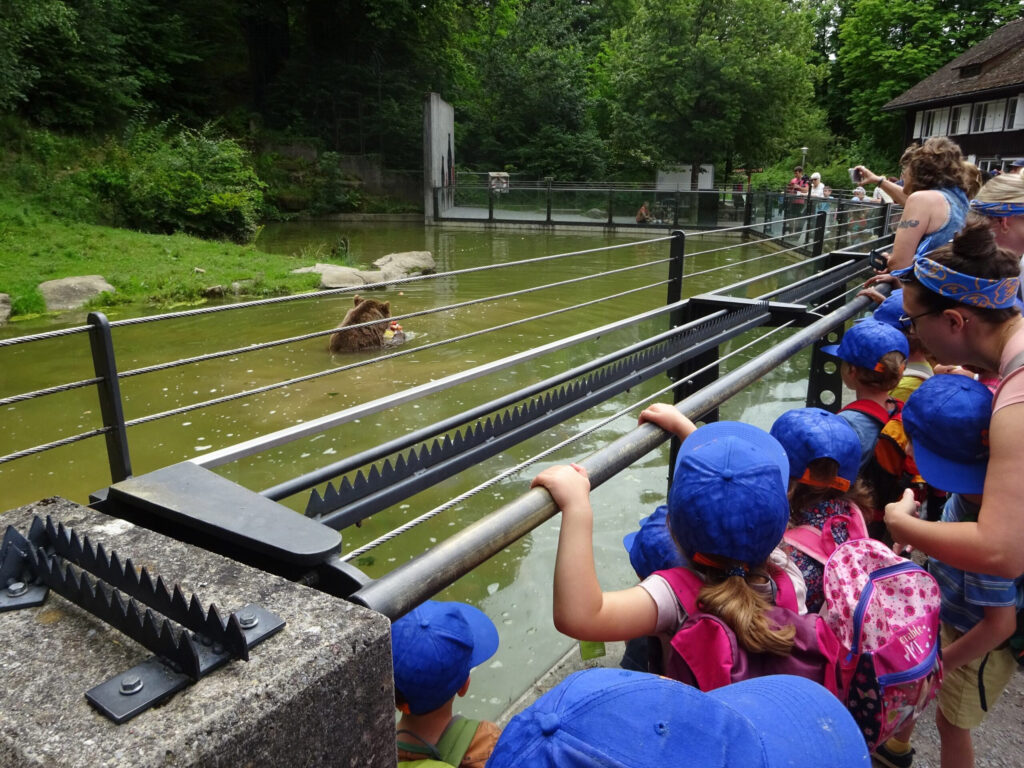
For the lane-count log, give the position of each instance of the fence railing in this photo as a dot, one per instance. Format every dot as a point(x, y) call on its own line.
point(619, 206)
point(348, 491)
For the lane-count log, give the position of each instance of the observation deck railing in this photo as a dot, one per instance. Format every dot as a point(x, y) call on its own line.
point(812, 302)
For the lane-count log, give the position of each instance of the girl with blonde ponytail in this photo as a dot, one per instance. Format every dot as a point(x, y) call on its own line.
point(727, 511)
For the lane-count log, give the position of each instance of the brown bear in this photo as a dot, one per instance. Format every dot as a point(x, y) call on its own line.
point(367, 337)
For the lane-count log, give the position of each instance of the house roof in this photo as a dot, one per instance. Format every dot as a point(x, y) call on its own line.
point(998, 58)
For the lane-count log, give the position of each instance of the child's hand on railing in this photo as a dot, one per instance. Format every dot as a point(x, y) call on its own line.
point(668, 418)
point(567, 484)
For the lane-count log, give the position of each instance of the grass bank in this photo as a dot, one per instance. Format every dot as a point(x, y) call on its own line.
point(164, 270)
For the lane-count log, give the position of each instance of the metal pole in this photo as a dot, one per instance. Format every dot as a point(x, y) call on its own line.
point(818, 247)
point(610, 219)
point(490, 204)
point(408, 585)
point(548, 219)
point(109, 391)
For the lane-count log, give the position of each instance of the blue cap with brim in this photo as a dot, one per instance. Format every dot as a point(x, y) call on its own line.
point(808, 434)
point(611, 718)
point(947, 419)
point(434, 647)
point(728, 495)
point(652, 548)
point(867, 342)
point(890, 311)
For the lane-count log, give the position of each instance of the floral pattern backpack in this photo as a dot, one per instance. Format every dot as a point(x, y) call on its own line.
point(884, 610)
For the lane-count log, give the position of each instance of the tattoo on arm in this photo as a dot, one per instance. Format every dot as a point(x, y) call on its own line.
point(908, 224)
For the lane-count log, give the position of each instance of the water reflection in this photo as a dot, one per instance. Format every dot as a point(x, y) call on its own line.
point(513, 588)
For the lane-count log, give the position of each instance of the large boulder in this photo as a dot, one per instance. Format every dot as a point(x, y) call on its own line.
point(73, 292)
point(406, 263)
point(5, 307)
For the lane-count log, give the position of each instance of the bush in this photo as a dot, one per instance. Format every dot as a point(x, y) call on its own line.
point(168, 179)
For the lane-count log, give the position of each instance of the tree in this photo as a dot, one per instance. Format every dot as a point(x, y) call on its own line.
point(697, 81)
point(886, 46)
point(20, 24)
point(532, 107)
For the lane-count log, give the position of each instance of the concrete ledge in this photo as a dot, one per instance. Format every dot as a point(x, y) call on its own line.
point(320, 692)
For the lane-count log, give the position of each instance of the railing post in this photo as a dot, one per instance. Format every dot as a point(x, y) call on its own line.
point(884, 227)
point(748, 212)
point(109, 390)
point(677, 256)
point(818, 246)
point(824, 381)
point(610, 219)
point(437, 207)
point(548, 180)
point(490, 204)
point(675, 208)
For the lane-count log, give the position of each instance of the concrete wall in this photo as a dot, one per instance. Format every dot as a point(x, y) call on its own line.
point(438, 152)
point(317, 693)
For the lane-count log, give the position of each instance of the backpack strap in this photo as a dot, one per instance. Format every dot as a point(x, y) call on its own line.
point(686, 585)
point(455, 741)
point(785, 592)
point(869, 408)
point(819, 544)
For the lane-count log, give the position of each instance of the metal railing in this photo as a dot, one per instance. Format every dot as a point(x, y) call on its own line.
point(375, 479)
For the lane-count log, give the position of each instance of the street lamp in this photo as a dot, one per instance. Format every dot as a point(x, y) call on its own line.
point(803, 155)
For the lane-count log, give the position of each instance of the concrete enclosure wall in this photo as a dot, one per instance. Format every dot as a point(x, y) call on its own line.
point(438, 153)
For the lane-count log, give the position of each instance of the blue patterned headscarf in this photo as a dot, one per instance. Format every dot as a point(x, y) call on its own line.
point(997, 210)
point(961, 288)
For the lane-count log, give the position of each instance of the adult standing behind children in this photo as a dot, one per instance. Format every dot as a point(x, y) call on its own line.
point(935, 181)
point(1001, 203)
point(961, 301)
point(434, 647)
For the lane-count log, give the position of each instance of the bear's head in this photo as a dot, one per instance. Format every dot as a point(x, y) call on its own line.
point(371, 307)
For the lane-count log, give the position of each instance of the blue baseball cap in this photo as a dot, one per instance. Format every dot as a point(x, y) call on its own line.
point(891, 313)
point(728, 495)
point(434, 647)
point(652, 548)
point(616, 718)
point(807, 434)
point(867, 342)
point(947, 420)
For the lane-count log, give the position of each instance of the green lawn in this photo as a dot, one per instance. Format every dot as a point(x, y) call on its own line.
point(161, 269)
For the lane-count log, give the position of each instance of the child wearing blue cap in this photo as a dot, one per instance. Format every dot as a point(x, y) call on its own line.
point(433, 648)
point(824, 453)
point(947, 419)
point(605, 718)
point(727, 510)
point(873, 357)
point(918, 369)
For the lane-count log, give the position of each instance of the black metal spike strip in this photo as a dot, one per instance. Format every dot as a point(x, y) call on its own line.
point(139, 623)
point(138, 584)
point(417, 459)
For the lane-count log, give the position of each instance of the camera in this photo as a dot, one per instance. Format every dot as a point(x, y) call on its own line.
point(878, 260)
point(855, 176)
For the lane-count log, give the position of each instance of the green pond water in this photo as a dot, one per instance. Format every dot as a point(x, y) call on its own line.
point(514, 588)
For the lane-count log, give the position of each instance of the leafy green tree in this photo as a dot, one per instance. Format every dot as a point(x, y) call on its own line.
point(886, 46)
point(532, 107)
point(695, 81)
point(20, 25)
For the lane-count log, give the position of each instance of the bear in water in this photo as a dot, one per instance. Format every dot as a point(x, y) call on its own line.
point(367, 337)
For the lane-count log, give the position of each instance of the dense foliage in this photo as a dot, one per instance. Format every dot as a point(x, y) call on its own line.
point(573, 89)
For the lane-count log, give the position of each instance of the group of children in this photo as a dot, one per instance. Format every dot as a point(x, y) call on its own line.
point(732, 545)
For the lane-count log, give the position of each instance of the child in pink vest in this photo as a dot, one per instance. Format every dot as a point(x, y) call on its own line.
point(727, 511)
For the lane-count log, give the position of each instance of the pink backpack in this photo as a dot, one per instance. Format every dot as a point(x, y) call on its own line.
point(884, 611)
point(819, 544)
point(704, 651)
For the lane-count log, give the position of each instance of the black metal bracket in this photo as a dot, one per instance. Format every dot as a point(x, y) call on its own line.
point(781, 312)
point(188, 640)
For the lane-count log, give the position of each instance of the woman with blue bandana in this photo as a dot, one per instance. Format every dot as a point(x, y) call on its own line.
point(935, 180)
point(1001, 203)
point(961, 302)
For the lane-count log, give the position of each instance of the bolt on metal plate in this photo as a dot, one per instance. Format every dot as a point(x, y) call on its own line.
point(128, 693)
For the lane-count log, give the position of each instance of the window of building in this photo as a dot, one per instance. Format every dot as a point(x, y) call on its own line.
point(958, 117)
point(934, 122)
point(988, 116)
